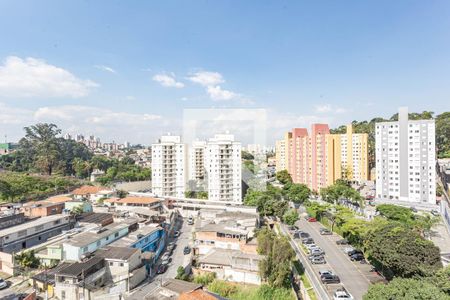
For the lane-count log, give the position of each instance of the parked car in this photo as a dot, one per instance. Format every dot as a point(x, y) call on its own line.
point(311, 219)
point(348, 249)
point(166, 261)
point(325, 272)
point(316, 251)
point(311, 246)
point(170, 247)
point(324, 231)
point(342, 242)
point(327, 279)
point(3, 284)
point(311, 256)
point(318, 260)
point(342, 294)
point(435, 213)
point(187, 250)
point(303, 234)
point(165, 256)
point(176, 234)
point(161, 269)
point(357, 257)
point(308, 241)
point(354, 251)
point(293, 228)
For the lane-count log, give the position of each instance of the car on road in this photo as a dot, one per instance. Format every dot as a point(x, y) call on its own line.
point(165, 256)
point(293, 228)
point(311, 219)
point(303, 234)
point(187, 250)
point(342, 242)
point(342, 294)
point(176, 234)
point(316, 251)
point(318, 260)
point(161, 269)
point(166, 261)
point(329, 278)
point(325, 231)
point(3, 284)
point(435, 213)
point(357, 257)
point(311, 246)
point(308, 241)
point(354, 251)
point(348, 249)
point(325, 272)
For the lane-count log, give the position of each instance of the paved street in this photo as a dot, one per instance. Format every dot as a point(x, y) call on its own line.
point(350, 273)
point(178, 259)
point(7, 294)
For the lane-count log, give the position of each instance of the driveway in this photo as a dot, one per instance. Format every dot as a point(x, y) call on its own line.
point(352, 278)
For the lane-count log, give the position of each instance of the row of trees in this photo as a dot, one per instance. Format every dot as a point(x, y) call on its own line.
point(340, 190)
point(16, 187)
point(395, 244)
point(43, 150)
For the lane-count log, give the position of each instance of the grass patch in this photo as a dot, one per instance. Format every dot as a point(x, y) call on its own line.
point(235, 291)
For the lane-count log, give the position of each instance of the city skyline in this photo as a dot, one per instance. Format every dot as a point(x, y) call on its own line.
point(109, 75)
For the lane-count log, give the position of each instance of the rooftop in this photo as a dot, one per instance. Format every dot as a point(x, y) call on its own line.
point(180, 286)
point(88, 237)
point(133, 200)
point(222, 227)
point(136, 235)
point(48, 276)
point(76, 269)
point(89, 189)
point(199, 294)
point(59, 199)
point(94, 217)
point(31, 224)
point(224, 257)
point(236, 215)
point(116, 253)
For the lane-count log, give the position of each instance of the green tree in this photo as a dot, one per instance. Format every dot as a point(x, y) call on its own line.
point(283, 176)
point(396, 213)
point(405, 289)
point(290, 217)
point(441, 279)
point(297, 193)
point(181, 275)
point(27, 259)
point(121, 193)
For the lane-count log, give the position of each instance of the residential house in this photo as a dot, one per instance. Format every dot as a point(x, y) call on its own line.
point(92, 193)
point(99, 219)
point(11, 219)
point(149, 202)
point(42, 209)
point(45, 280)
point(86, 243)
point(231, 265)
point(85, 205)
point(172, 289)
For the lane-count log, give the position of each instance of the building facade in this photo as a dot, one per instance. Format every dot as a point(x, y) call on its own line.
point(405, 160)
point(169, 167)
point(223, 167)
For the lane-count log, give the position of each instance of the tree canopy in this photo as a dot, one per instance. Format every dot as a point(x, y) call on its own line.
point(297, 193)
point(283, 177)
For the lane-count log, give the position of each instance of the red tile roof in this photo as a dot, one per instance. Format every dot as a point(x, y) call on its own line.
point(88, 190)
point(133, 200)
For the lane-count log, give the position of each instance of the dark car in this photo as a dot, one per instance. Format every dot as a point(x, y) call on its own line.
point(293, 228)
point(161, 269)
point(357, 257)
point(328, 278)
point(355, 251)
point(307, 241)
point(187, 250)
point(303, 234)
point(342, 242)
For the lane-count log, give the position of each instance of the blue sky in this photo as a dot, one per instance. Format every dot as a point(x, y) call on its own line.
point(126, 70)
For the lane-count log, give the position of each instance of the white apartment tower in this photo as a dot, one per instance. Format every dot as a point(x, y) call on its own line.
point(169, 167)
point(197, 170)
point(405, 160)
point(223, 167)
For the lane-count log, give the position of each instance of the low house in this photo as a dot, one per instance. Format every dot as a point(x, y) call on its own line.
point(223, 235)
point(86, 243)
point(45, 281)
point(92, 193)
point(231, 265)
point(99, 219)
point(124, 267)
point(171, 289)
point(42, 209)
point(149, 202)
point(34, 232)
point(11, 219)
point(81, 279)
point(59, 199)
point(85, 205)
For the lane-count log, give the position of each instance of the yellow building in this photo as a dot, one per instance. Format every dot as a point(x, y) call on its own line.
point(347, 156)
point(282, 152)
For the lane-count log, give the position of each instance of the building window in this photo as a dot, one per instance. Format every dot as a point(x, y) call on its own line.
point(63, 294)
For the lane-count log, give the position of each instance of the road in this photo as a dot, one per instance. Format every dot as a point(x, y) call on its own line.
point(178, 259)
point(7, 294)
point(353, 279)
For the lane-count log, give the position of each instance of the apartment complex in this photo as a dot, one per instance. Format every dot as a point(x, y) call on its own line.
point(406, 159)
point(169, 167)
point(319, 158)
point(223, 168)
point(197, 170)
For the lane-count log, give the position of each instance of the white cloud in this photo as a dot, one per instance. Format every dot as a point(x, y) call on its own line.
point(328, 108)
point(207, 78)
point(106, 68)
point(13, 116)
point(31, 77)
point(218, 94)
point(168, 80)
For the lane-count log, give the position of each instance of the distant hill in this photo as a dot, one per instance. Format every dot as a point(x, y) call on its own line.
point(442, 131)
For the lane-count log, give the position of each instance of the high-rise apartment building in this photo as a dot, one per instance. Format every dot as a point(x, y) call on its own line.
point(405, 160)
point(223, 168)
point(169, 167)
point(197, 170)
point(280, 155)
point(320, 158)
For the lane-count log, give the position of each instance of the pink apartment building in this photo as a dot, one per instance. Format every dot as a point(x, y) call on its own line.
point(307, 156)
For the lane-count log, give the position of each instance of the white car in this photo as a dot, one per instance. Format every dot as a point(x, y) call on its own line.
point(342, 294)
point(311, 246)
point(325, 272)
point(348, 249)
point(3, 284)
